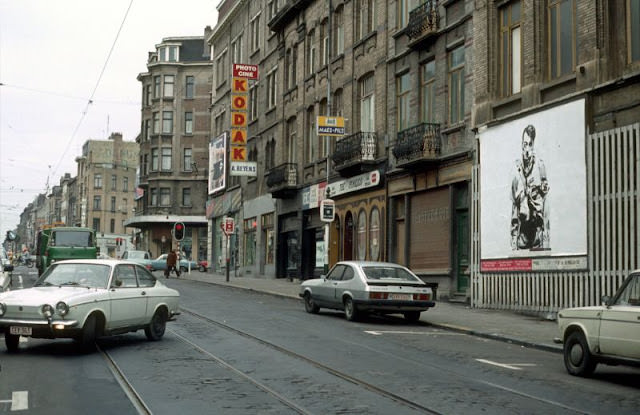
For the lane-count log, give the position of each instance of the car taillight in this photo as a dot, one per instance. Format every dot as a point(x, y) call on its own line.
point(422, 297)
point(378, 296)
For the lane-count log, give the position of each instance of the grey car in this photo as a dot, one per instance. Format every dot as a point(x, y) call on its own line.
point(360, 287)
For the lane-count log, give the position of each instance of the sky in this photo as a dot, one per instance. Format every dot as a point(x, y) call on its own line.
point(68, 73)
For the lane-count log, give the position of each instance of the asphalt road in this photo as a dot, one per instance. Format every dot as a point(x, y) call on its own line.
point(237, 352)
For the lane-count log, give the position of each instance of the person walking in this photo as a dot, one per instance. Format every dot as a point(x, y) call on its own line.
point(172, 259)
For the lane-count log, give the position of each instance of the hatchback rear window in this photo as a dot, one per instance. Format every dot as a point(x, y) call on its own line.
point(388, 273)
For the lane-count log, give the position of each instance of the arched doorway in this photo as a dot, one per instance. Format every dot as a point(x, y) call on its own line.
point(334, 241)
point(347, 251)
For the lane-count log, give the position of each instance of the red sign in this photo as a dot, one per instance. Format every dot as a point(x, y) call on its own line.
point(524, 264)
point(240, 70)
point(228, 226)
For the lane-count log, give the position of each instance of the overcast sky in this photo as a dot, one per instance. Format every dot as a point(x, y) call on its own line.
point(52, 57)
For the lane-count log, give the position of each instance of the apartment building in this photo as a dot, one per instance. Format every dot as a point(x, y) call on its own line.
point(173, 147)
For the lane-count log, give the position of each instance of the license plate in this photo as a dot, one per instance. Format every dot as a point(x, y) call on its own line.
point(404, 297)
point(20, 331)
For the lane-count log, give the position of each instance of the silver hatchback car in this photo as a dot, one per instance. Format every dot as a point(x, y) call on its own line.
point(359, 287)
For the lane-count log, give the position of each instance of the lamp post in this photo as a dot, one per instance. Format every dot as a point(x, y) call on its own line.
point(326, 137)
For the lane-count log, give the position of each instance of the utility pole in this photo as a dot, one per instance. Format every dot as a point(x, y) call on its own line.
point(327, 226)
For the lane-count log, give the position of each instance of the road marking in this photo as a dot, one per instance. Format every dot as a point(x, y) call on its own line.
point(19, 401)
point(381, 332)
point(512, 366)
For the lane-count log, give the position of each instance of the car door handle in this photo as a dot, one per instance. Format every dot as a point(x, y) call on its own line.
point(144, 293)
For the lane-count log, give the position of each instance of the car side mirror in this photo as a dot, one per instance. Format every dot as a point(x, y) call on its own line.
point(606, 300)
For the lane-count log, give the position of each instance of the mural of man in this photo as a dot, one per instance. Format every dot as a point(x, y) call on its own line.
point(529, 190)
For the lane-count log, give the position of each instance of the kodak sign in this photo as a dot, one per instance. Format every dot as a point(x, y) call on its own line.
point(239, 106)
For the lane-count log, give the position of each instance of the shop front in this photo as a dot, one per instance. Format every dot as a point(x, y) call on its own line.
point(224, 248)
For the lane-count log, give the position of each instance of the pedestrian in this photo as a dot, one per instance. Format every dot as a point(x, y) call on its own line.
point(172, 260)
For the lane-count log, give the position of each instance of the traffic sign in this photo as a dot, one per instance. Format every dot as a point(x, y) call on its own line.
point(228, 225)
point(327, 210)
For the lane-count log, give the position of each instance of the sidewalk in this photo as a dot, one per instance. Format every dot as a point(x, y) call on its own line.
point(500, 325)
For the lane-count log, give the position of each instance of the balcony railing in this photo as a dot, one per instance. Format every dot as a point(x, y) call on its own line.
point(423, 20)
point(355, 149)
point(282, 179)
point(419, 144)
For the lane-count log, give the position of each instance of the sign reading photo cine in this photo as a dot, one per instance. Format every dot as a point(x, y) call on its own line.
point(533, 185)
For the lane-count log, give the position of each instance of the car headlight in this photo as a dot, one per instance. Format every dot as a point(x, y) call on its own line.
point(47, 310)
point(3, 309)
point(62, 308)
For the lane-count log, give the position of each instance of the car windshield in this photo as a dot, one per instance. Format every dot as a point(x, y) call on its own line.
point(388, 273)
point(71, 238)
point(82, 275)
point(136, 255)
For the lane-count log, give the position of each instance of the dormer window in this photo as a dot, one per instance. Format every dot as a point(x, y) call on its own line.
point(168, 53)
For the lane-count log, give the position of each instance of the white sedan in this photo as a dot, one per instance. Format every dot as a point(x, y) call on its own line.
point(85, 299)
point(360, 287)
point(609, 333)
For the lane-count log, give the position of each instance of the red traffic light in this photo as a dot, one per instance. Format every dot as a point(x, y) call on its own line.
point(178, 231)
point(178, 226)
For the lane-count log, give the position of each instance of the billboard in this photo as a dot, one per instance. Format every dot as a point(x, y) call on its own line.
point(217, 163)
point(533, 188)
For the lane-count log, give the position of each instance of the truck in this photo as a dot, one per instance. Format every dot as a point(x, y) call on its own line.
point(64, 242)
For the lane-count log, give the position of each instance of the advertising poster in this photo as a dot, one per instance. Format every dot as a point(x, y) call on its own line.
point(533, 185)
point(217, 162)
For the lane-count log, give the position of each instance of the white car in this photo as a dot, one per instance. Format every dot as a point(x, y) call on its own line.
point(609, 333)
point(85, 299)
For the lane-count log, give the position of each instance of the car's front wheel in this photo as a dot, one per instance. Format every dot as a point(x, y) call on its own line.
point(412, 315)
point(87, 338)
point(155, 330)
point(310, 306)
point(12, 341)
point(577, 357)
point(350, 310)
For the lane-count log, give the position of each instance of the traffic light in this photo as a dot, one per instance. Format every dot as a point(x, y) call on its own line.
point(178, 231)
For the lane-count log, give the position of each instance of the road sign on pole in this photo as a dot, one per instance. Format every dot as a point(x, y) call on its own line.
point(327, 210)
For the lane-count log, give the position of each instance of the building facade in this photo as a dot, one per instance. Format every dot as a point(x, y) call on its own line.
point(173, 147)
point(557, 183)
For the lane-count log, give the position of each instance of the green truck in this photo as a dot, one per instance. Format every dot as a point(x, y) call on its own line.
point(64, 242)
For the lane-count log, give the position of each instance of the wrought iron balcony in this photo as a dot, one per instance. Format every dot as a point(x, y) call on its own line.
point(282, 180)
point(353, 152)
point(423, 22)
point(418, 145)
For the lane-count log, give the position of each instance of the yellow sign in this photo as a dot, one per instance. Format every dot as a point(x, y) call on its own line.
point(238, 153)
point(238, 137)
point(331, 126)
point(238, 119)
point(239, 102)
point(240, 85)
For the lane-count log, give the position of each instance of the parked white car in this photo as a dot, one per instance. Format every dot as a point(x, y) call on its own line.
point(609, 333)
point(85, 299)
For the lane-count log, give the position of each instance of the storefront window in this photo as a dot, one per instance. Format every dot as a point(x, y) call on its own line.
point(362, 235)
point(250, 227)
point(374, 234)
point(269, 238)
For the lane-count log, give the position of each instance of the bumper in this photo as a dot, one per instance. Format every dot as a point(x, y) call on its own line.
point(43, 328)
point(393, 305)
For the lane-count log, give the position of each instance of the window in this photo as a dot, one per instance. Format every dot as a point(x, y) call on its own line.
point(169, 81)
point(126, 276)
point(270, 154)
point(271, 89)
point(322, 140)
point(154, 159)
point(456, 85)
point(290, 64)
point(404, 9)
point(633, 30)
point(156, 122)
point(147, 95)
point(113, 203)
point(272, 9)
point(97, 202)
point(165, 196)
point(221, 68)
point(188, 122)
point(168, 54)
point(124, 206)
point(167, 122)
point(291, 140)
point(253, 102)
point(428, 91)
point(166, 158)
point(255, 33)
point(250, 226)
point(310, 136)
point(367, 104)
point(156, 86)
point(269, 238)
point(186, 197)
point(145, 164)
point(338, 29)
point(562, 38)
point(190, 85)
point(311, 52)
point(337, 103)
point(364, 18)
point(114, 182)
point(374, 235)
point(112, 226)
point(186, 159)
point(324, 42)
point(219, 123)
point(96, 224)
point(362, 236)
point(125, 184)
point(147, 130)
point(236, 50)
point(510, 49)
point(153, 195)
point(97, 181)
point(403, 88)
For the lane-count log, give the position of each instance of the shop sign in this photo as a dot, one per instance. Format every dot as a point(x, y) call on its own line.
point(353, 184)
